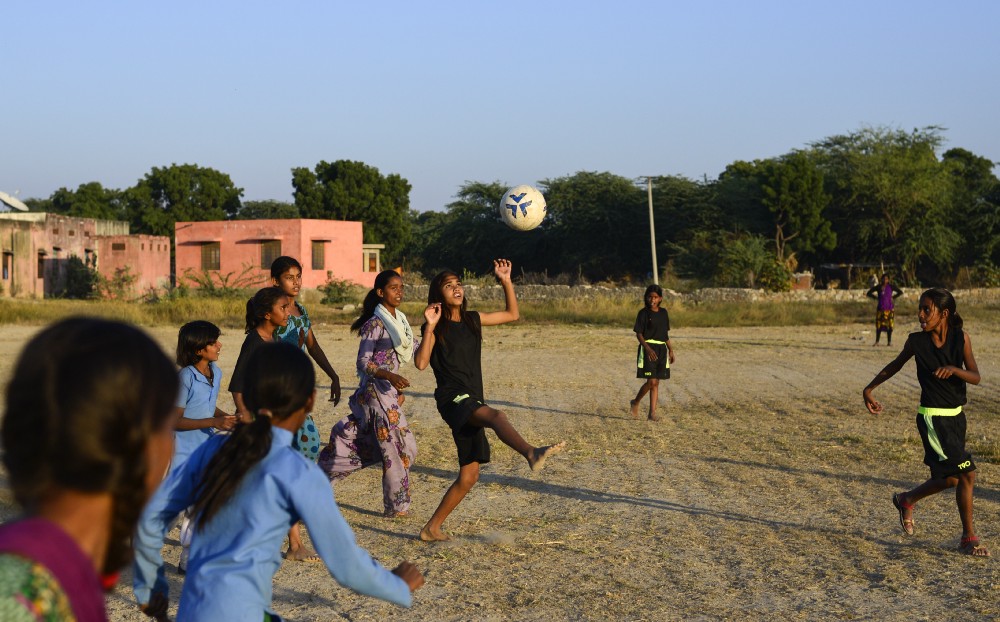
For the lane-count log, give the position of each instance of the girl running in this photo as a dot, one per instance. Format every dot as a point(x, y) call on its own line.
point(87, 433)
point(376, 430)
point(247, 489)
point(945, 364)
point(656, 354)
point(452, 346)
point(198, 351)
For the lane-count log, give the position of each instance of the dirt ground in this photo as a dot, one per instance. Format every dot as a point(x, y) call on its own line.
point(763, 493)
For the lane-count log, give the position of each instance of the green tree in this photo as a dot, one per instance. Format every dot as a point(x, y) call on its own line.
point(184, 192)
point(793, 193)
point(975, 214)
point(259, 210)
point(90, 200)
point(746, 261)
point(599, 225)
point(783, 198)
point(347, 190)
point(891, 197)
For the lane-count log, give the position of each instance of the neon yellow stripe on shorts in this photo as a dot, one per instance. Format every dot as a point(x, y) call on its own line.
point(939, 412)
point(928, 413)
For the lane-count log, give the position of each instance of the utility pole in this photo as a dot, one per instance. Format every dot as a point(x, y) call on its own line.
point(652, 230)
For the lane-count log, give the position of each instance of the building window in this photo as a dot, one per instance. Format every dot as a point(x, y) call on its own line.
point(318, 255)
point(8, 259)
point(117, 246)
point(142, 246)
point(55, 231)
point(269, 251)
point(211, 256)
point(372, 261)
point(41, 264)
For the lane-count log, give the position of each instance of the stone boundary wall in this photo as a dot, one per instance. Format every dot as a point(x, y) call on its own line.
point(536, 293)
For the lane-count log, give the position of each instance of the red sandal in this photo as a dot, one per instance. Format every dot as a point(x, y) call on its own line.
point(903, 506)
point(971, 546)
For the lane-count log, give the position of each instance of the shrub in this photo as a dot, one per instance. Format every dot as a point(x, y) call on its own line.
point(81, 280)
point(214, 284)
point(339, 291)
point(121, 286)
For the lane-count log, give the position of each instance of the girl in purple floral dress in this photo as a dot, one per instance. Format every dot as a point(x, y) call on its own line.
point(376, 430)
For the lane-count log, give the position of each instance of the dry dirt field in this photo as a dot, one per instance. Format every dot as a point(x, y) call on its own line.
point(763, 493)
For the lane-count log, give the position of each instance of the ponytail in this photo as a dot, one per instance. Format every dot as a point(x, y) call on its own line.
point(280, 380)
point(372, 299)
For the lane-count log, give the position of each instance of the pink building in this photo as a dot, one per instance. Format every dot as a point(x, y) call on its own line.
point(228, 249)
point(37, 248)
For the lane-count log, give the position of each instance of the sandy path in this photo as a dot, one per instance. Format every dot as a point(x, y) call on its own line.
point(763, 493)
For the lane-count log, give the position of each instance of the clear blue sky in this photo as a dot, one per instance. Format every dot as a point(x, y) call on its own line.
point(445, 92)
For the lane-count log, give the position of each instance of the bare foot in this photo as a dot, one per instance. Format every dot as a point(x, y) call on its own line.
point(653, 418)
point(399, 514)
point(433, 535)
point(538, 456)
point(302, 554)
point(633, 408)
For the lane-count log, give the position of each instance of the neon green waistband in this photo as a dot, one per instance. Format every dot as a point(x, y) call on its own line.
point(657, 342)
point(939, 412)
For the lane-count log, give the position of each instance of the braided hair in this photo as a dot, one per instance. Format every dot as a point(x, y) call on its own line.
point(86, 397)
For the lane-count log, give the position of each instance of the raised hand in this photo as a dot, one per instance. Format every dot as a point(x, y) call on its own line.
point(432, 314)
point(501, 268)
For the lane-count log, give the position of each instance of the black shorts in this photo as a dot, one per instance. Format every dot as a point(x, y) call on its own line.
point(944, 445)
point(660, 368)
point(470, 440)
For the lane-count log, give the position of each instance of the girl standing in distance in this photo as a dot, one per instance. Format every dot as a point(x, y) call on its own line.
point(652, 329)
point(267, 311)
point(885, 309)
point(376, 431)
point(88, 432)
point(452, 346)
point(943, 353)
point(247, 489)
point(198, 351)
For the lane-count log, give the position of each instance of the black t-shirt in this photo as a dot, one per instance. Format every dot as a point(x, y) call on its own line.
point(653, 325)
point(935, 392)
point(456, 361)
point(250, 344)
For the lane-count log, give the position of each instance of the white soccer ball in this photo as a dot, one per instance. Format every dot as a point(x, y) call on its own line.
point(522, 208)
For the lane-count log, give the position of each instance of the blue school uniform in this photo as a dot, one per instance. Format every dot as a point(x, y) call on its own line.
point(234, 558)
point(197, 396)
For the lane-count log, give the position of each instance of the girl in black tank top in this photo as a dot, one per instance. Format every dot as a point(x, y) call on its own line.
point(451, 345)
point(945, 364)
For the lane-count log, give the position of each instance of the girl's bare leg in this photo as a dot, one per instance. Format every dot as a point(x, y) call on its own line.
point(296, 550)
point(963, 496)
point(634, 404)
point(468, 475)
point(497, 421)
point(654, 394)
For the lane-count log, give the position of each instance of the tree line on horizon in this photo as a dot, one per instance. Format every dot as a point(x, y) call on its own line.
point(875, 196)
